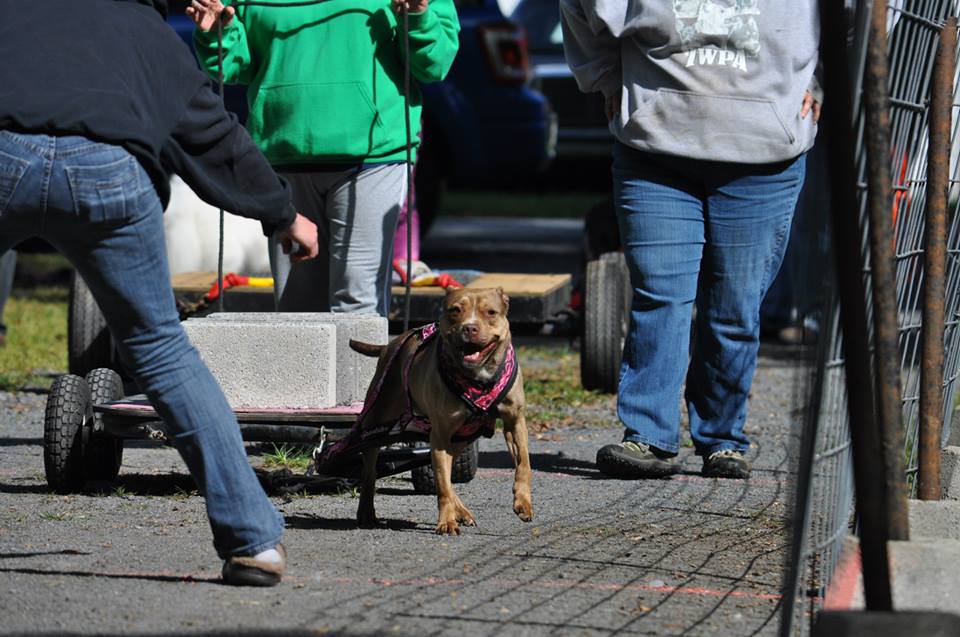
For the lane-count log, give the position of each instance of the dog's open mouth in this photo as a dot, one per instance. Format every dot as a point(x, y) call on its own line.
point(474, 353)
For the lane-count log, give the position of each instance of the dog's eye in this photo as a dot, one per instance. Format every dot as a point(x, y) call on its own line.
point(491, 313)
point(453, 310)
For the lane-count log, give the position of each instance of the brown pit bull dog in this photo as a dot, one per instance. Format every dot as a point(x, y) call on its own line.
point(455, 378)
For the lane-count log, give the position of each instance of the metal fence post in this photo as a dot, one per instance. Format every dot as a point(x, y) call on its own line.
point(934, 271)
point(864, 434)
point(876, 86)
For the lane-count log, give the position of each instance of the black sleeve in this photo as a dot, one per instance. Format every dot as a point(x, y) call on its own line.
point(216, 157)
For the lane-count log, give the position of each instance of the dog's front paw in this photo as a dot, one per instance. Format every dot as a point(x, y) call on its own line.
point(523, 508)
point(447, 527)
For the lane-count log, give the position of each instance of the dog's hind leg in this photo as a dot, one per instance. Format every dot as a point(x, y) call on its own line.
point(366, 513)
point(451, 509)
point(515, 434)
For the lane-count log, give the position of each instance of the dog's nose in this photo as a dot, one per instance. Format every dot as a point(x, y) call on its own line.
point(470, 330)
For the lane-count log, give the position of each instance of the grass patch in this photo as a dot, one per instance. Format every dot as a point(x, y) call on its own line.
point(54, 517)
point(551, 382)
point(287, 456)
point(470, 203)
point(36, 320)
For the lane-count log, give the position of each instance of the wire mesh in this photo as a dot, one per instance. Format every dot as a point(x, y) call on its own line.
point(913, 27)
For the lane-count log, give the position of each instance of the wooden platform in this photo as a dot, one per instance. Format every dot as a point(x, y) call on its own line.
point(534, 298)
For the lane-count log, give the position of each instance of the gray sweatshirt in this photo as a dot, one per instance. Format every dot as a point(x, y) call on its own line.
point(718, 80)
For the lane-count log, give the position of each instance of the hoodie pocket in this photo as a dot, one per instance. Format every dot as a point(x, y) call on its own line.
point(303, 121)
point(720, 127)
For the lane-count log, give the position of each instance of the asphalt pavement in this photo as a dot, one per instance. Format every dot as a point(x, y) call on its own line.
point(682, 556)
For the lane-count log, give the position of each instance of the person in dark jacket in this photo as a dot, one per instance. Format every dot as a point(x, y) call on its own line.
point(90, 132)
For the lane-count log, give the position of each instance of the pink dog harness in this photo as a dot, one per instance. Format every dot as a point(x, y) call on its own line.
point(481, 399)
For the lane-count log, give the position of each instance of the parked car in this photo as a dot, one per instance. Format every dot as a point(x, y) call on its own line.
point(582, 126)
point(483, 124)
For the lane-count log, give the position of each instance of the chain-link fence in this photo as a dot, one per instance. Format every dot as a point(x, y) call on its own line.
point(824, 512)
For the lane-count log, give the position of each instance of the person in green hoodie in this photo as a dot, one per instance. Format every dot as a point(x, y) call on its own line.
point(325, 89)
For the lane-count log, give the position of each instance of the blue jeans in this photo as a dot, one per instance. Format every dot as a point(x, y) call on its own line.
point(96, 205)
point(699, 232)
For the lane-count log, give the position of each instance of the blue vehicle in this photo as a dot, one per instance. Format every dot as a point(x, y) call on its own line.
point(484, 124)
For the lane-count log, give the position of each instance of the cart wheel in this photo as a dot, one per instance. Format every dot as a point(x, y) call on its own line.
point(66, 428)
point(104, 453)
point(89, 345)
point(606, 317)
point(464, 469)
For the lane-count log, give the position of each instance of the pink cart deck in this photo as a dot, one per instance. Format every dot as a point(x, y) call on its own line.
point(138, 407)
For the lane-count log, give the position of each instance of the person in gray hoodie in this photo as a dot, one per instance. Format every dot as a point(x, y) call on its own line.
point(712, 104)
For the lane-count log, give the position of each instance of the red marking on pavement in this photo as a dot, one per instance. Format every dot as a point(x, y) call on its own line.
point(561, 584)
point(843, 586)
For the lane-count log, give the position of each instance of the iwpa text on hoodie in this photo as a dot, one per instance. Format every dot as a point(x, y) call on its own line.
point(719, 80)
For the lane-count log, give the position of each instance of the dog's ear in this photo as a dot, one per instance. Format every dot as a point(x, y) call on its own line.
point(504, 299)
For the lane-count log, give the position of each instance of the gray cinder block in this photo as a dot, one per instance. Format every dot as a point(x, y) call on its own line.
point(939, 519)
point(950, 473)
point(268, 364)
point(924, 574)
point(354, 371)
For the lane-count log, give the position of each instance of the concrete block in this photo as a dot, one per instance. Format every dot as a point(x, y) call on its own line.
point(885, 624)
point(924, 575)
point(950, 473)
point(354, 372)
point(934, 519)
point(269, 364)
point(953, 439)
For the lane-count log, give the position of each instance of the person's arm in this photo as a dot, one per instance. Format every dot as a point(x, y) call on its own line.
point(434, 36)
point(216, 157)
point(238, 64)
point(592, 52)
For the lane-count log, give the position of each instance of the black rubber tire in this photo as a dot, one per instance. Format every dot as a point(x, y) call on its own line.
point(66, 429)
point(606, 305)
point(104, 453)
point(89, 344)
point(464, 469)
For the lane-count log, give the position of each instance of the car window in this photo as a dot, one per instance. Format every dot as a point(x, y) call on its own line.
point(541, 19)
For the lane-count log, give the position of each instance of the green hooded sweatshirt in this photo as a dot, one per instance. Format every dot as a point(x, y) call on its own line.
point(325, 81)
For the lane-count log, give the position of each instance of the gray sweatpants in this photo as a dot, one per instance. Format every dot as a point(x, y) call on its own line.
point(356, 216)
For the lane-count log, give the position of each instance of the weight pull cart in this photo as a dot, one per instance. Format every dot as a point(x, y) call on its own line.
point(88, 415)
point(88, 419)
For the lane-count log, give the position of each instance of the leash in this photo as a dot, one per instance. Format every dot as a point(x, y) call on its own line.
point(406, 119)
point(409, 139)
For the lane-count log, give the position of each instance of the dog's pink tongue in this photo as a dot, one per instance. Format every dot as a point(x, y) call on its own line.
point(477, 357)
